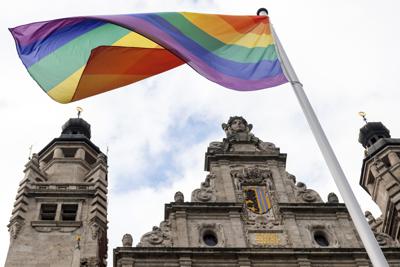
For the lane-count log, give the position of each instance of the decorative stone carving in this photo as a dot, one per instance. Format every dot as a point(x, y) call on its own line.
point(332, 198)
point(158, 237)
point(253, 176)
point(35, 160)
point(369, 216)
point(89, 262)
point(237, 130)
point(374, 223)
point(101, 158)
point(206, 193)
point(384, 239)
point(306, 195)
point(393, 158)
point(95, 229)
point(377, 166)
point(216, 147)
point(178, 197)
point(15, 228)
point(127, 240)
point(291, 178)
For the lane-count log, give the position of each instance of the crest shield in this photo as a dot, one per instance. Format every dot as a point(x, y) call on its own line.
point(257, 200)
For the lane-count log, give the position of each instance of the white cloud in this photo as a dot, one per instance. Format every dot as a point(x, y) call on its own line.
point(346, 55)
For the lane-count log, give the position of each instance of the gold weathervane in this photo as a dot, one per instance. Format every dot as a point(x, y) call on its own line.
point(79, 109)
point(363, 115)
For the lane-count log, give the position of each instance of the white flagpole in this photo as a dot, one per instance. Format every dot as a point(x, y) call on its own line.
point(371, 245)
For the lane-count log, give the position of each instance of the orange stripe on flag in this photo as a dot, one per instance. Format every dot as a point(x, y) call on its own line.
point(110, 67)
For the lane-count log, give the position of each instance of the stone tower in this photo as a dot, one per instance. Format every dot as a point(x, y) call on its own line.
point(250, 212)
point(60, 213)
point(380, 177)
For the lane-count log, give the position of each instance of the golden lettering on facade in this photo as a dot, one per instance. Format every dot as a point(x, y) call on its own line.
point(267, 238)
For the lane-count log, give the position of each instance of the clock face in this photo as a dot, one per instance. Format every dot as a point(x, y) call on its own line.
point(257, 199)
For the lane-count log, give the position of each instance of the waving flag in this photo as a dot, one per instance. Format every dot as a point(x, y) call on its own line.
point(73, 58)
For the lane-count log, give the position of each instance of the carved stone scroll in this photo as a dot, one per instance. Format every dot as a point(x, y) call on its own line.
point(206, 193)
point(158, 237)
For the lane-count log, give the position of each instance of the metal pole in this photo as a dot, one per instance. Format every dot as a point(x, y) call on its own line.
point(371, 245)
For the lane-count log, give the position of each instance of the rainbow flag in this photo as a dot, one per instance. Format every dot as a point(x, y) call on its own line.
point(77, 57)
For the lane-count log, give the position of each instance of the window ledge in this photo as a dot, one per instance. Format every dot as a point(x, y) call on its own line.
point(56, 226)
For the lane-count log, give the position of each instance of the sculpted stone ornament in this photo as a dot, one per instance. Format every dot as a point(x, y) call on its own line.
point(127, 240)
point(369, 216)
point(178, 197)
point(206, 192)
point(332, 198)
point(253, 176)
point(158, 237)
point(95, 229)
point(101, 159)
point(384, 239)
point(238, 130)
point(306, 195)
point(374, 223)
point(15, 228)
point(89, 262)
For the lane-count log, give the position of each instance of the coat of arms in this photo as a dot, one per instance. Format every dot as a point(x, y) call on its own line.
point(257, 199)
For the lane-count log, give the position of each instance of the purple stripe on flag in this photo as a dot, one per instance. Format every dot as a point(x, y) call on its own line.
point(148, 30)
point(250, 71)
point(32, 32)
point(33, 52)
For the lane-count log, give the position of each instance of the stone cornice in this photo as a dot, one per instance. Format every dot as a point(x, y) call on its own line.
point(195, 207)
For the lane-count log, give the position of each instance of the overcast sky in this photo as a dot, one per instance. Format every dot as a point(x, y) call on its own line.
point(346, 53)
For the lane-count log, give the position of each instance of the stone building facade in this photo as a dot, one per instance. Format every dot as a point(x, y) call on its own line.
point(60, 213)
point(250, 212)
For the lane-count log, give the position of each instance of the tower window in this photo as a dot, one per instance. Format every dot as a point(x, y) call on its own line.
point(68, 212)
point(48, 212)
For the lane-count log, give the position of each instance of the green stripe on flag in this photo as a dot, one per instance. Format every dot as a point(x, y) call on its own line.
point(228, 51)
point(63, 62)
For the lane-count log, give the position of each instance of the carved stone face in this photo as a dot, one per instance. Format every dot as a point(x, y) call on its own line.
point(238, 125)
point(179, 198)
point(127, 240)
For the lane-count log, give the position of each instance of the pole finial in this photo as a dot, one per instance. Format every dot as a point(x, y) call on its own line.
point(262, 12)
point(363, 115)
point(79, 109)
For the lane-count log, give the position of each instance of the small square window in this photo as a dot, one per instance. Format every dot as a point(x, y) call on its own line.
point(68, 212)
point(48, 212)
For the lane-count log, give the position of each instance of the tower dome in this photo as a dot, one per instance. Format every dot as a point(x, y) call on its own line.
point(372, 132)
point(76, 127)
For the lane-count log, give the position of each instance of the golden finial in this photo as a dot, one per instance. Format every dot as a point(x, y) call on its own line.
point(79, 109)
point(363, 115)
